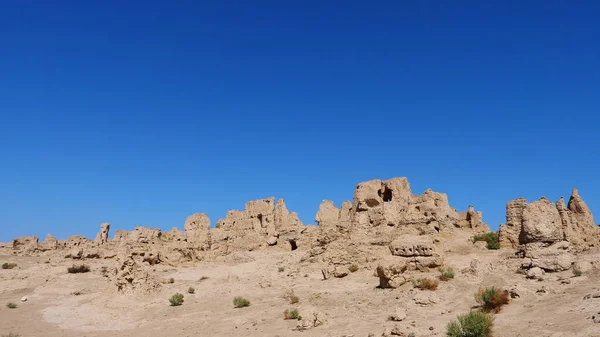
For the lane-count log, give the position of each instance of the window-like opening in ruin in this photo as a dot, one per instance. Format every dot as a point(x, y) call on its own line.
point(386, 195)
point(260, 219)
point(293, 244)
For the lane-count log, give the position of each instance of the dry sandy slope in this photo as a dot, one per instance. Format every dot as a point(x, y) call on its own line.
point(353, 305)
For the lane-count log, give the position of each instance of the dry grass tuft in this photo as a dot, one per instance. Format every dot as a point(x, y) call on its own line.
point(492, 299)
point(291, 314)
point(7, 265)
point(12, 334)
point(240, 302)
point(77, 269)
point(446, 274)
point(426, 284)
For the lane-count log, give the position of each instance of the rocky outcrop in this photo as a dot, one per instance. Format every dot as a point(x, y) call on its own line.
point(131, 277)
point(410, 253)
point(473, 221)
point(76, 241)
point(580, 228)
point(549, 257)
point(260, 224)
point(540, 223)
point(509, 232)
point(548, 235)
point(391, 203)
point(50, 243)
point(385, 214)
point(544, 222)
point(121, 235)
point(333, 223)
point(144, 235)
point(197, 231)
point(102, 236)
point(26, 244)
point(288, 226)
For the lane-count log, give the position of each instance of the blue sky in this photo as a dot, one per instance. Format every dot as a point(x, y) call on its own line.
point(144, 113)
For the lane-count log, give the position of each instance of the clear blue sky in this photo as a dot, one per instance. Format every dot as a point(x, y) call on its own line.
point(142, 113)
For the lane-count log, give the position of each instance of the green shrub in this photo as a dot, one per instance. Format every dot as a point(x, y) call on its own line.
point(491, 238)
point(11, 305)
point(7, 265)
point(446, 274)
point(171, 280)
point(294, 299)
point(176, 300)
point(240, 302)
point(291, 314)
point(281, 269)
point(577, 272)
point(492, 299)
point(353, 268)
point(191, 290)
point(473, 324)
point(76, 269)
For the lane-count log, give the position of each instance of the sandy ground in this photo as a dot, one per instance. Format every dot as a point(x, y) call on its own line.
point(69, 305)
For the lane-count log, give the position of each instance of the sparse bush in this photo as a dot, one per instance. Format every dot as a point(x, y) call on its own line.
point(76, 269)
point(492, 299)
point(491, 238)
point(473, 324)
point(12, 334)
point(240, 302)
point(176, 300)
point(11, 305)
point(291, 314)
point(281, 269)
point(577, 272)
point(76, 293)
point(191, 290)
point(203, 278)
point(426, 284)
point(7, 265)
point(353, 268)
point(446, 274)
point(294, 299)
point(171, 280)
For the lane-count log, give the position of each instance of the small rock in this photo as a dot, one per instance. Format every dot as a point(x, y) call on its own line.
point(398, 315)
point(515, 292)
point(565, 281)
point(272, 241)
point(594, 295)
point(426, 299)
point(24, 299)
point(535, 273)
point(545, 289)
